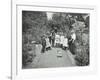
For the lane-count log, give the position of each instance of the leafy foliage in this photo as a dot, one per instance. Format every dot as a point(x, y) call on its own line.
point(33, 27)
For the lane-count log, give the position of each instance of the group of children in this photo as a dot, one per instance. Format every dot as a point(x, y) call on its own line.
point(61, 41)
point(53, 39)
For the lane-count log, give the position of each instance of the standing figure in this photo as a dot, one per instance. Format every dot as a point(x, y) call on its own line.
point(53, 38)
point(73, 36)
point(65, 43)
point(43, 42)
point(48, 45)
point(57, 40)
point(61, 40)
point(50, 37)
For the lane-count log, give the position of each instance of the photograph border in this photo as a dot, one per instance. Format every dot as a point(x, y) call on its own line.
point(14, 73)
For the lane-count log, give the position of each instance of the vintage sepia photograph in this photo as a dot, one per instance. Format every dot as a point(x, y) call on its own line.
point(55, 39)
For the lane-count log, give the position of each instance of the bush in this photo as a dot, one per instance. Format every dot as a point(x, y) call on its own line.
point(28, 54)
point(82, 57)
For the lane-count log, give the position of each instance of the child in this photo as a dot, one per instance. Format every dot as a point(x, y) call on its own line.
point(43, 44)
point(57, 40)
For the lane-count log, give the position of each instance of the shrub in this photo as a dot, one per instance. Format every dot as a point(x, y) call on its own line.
point(82, 57)
point(28, 54)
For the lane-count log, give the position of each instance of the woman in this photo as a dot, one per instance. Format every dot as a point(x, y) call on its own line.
point(48, 45)
point(53, 38)
point(65, 43)
point(73, 36)
point(61, 40)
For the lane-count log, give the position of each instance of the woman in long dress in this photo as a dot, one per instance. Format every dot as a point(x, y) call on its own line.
point(61, 40)
point(73, 36)
point(53, 38)
point(48, 45)
point(65, 43)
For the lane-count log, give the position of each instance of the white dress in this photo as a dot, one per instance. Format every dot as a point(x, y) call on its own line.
point(47, 43)
point(73, 36)
point(61, 39)
point(57, 38)
point(65, 42)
